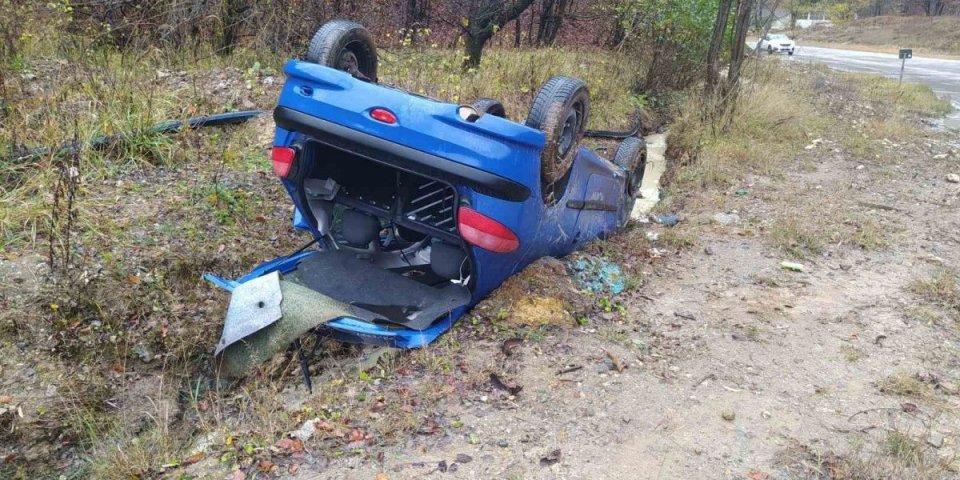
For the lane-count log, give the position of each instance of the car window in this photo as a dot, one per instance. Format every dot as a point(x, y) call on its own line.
point(778, 37)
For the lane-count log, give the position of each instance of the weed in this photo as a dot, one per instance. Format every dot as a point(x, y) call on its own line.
point(904, 448)
point(799, 238)
point(676, 239)
point(940, 289)
point(851, 353)
point(904, 385)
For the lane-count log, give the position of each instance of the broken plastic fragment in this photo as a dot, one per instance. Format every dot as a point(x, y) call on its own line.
point(793, 267)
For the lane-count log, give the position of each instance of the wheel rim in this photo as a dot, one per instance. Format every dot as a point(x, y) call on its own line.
point(348, 62)
point(636, 177)
point(571, 126)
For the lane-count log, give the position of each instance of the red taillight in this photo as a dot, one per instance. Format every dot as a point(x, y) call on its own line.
point(485, 232)
point(383, 115)
point(283, 160)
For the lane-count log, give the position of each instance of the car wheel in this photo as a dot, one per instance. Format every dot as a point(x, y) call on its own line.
point(346, 46)
point(769, 50)
point(631, 156)
point(490, 106)
point(790, 52)
point(560, 110)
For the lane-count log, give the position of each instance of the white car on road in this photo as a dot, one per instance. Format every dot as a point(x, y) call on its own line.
point(777, 42)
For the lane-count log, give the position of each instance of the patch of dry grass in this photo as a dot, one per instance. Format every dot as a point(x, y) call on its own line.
point(763, 128)
point(894, 456)
point(940, 289)
point(808, 231)
point(909, 97)
point(904, 385)
point(514, 76)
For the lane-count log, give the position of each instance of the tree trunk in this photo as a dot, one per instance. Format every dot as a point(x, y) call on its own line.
point(716, 43)
point(483, 20)
point(474, 48)
point(517, 33)
point(741, 25)
point(551, 20)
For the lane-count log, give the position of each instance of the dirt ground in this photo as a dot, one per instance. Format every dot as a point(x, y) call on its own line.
point(718, 362)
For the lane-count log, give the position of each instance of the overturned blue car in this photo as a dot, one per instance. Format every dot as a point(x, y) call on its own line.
point(418, 208)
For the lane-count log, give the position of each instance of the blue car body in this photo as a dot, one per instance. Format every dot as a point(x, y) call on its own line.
point(492, 163)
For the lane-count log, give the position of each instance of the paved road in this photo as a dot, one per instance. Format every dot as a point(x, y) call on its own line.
point(942, 75)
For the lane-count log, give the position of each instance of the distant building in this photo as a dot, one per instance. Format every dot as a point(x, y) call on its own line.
point(782, 19)
point(812, 20)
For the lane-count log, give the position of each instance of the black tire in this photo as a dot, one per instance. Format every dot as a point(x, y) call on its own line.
point(560, 110)
point(769, 50)
point(346, 46)
point(790, 52)
point(489, 106)
point(631, 156)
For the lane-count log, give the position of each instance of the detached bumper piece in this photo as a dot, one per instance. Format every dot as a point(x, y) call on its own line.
point(330, 293)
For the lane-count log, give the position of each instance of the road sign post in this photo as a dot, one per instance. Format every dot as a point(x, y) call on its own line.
point(905, 53)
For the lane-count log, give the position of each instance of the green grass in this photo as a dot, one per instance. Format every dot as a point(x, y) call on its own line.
point(908, 97)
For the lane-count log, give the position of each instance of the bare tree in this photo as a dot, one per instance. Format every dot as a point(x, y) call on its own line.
point(740, 27)
point(550, 20)
point(716, 43)
point(482, 20)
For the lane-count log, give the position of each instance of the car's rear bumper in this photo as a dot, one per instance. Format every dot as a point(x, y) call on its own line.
point(399, 156)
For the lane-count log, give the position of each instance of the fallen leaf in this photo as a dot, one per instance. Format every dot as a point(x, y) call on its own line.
point(381, 476)
point(355, 435)
point(238, 475)
point(6, 398)
point(133, 279)
point(293, 468)
point(617, 364)
point(196, 457)
point(290, 445)
point(758, 475)
point(909, 407)
point(266, 465)
point(324, 425)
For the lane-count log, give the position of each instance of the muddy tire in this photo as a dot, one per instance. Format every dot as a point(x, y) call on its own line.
point(631, 156)
point(489, 106)
point(560, 110)
point(346, 46)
